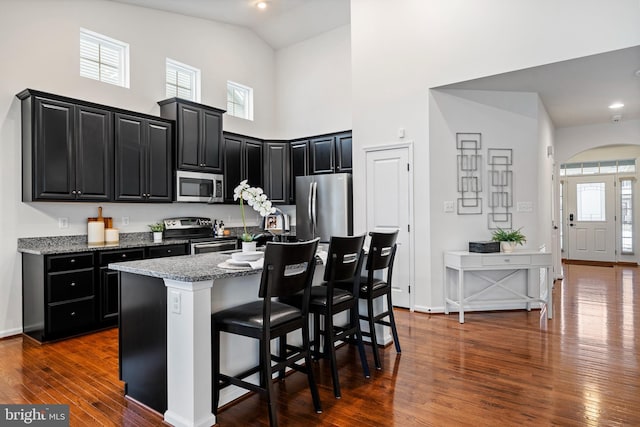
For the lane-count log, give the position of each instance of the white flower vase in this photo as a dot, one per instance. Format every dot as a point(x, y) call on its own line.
point(249, 246)
point(157, 237)
point(507, 247)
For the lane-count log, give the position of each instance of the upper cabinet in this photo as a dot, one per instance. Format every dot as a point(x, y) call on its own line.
point(143, 159)
point(242, 160)
point(276, 171)
point(330, 153)
point(298, 166)
point(198, 132)
point(67, 149)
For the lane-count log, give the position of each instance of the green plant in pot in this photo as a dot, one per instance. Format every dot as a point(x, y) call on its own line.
point(157, 230)
point(508, 238)
point(254, 197)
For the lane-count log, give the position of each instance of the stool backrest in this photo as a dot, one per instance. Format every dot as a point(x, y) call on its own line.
point(381, 250)
point(288, 268)
point(344, 259)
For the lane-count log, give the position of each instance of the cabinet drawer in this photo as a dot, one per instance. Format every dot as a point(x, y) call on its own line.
point(168, 250)
point(507, 260)
point(70, 285)
point(69, 262)
point(118, 256)
point(72, 316)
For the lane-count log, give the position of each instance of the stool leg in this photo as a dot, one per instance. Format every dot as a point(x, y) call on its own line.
point(215, 367)
point(372, 334)
point(355, 323)
point(283, 354)
point(309, 368)
point(392, 320)
point(266, 380)
point(316, 336)
point(330, 351)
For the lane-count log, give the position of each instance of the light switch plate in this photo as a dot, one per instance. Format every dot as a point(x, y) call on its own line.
point(448, 206)
point(524, 206)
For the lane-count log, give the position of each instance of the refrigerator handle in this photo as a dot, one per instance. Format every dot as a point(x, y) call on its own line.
point(313, 207)
point(309, 201)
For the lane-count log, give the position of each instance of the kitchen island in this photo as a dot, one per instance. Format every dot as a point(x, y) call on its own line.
point(165, 332)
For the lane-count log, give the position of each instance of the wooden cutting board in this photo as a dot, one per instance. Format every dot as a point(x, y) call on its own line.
point(108, 221)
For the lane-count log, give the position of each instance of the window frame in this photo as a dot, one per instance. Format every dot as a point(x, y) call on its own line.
point(192, 71)
point(248, 106)
point(101, 41)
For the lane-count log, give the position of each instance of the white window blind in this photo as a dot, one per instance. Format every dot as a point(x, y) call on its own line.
point(103, 58)
point(182, 80)
point(239, 100)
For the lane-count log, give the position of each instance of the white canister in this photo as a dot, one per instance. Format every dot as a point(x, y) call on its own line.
point(111, 235)
point(95, 232)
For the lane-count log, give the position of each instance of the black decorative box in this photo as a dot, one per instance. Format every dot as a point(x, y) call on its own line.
point(484, 247)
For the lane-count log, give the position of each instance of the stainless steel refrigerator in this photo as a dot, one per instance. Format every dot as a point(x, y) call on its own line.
point(324, 206)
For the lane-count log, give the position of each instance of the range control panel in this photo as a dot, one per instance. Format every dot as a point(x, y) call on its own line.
point(187, 222)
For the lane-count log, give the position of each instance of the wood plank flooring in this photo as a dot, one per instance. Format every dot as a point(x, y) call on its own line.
point(499, 368)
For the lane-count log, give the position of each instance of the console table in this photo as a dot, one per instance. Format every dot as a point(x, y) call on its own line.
point(476, 264)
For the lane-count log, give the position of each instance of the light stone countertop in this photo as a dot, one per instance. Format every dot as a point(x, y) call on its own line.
point(185, 268)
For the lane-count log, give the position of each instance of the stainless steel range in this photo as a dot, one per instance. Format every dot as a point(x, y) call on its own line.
point(199, 232)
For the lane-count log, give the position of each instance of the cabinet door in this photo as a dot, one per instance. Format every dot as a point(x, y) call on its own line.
point(252, 168)
point(343, 152)
point(108, 310)
point(232, 166)
point(322, 154)
point(189, 137)
point(53, 164)
point(131, 155)
point(299, 165)
point(160, 172)
point(93, 154)
point(211, 141)
point(276, 167)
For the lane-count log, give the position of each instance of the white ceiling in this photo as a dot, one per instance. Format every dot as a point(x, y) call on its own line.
point(579, 91)
point(575, 92)
point(281, 24)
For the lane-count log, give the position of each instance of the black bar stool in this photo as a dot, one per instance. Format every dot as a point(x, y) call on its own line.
point(382, 251)
point(288, 269)
point(344, 262)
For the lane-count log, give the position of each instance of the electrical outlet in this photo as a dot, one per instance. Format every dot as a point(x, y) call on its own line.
point(125, 220)
point(63, 222)
point(175, 302)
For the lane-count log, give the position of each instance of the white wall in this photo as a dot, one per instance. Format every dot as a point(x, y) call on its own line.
point(39, 47)
point(313, 84)
point(571, 141)
point(546, 206)
point(505, 120)
point(400, 49)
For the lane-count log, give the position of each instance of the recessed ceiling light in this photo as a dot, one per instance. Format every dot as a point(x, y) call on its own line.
point(616, 105)
point(262, 5)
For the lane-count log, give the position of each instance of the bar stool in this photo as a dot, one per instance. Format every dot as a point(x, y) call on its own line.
point(344, 262)
point(382, 251)
point(288, 269)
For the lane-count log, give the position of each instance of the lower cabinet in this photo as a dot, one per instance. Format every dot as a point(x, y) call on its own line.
point(70, 294)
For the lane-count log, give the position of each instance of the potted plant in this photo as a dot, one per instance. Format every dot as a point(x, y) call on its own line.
point(157, 230)
point(254, 197)
point(508, 238)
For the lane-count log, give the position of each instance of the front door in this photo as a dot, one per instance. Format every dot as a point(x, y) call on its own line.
point(388, 180)
point(590, 218)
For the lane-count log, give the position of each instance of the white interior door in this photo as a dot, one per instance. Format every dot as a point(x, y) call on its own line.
point(590, 218)
point(388, 180)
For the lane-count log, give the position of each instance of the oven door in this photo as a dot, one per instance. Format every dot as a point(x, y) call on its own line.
point(213, 246)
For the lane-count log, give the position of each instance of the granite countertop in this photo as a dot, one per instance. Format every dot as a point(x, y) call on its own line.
point(78, 243)
point(185, 268)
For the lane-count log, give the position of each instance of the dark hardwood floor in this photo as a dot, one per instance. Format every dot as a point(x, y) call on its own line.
point(499, 368)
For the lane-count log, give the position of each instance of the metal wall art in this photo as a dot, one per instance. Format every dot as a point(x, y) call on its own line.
point(500, 188)
point(469, 173)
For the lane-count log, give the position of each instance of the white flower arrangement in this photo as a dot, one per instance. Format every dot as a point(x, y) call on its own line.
point(255, 197)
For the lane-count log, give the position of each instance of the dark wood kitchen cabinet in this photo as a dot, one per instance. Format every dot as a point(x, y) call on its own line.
point(242, 160)
point(108, 283)
point(67, 149)
point(143, 160)
point(330, 153)
point(299, 165)
point(199, 140)
point(276, 171)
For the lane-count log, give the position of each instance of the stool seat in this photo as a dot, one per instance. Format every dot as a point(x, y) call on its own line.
point(319, 295)
point(375, 285)
point(250, 315)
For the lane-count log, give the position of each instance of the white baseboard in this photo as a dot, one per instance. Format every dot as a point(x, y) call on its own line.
point(10, 332)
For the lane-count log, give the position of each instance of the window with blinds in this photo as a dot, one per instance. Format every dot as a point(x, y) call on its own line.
point(103, 58)
point(239, 100)
point(183, 81)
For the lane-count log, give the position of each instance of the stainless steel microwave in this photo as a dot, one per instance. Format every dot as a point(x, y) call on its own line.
point(199, 187)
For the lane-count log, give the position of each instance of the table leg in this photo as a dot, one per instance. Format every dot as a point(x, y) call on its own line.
point(549, 294)
point(461, 295)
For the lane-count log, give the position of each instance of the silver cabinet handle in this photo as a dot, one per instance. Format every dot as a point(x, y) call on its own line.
point(72, 284)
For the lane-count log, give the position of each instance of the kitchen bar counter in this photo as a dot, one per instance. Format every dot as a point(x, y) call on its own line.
point(78, 243)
